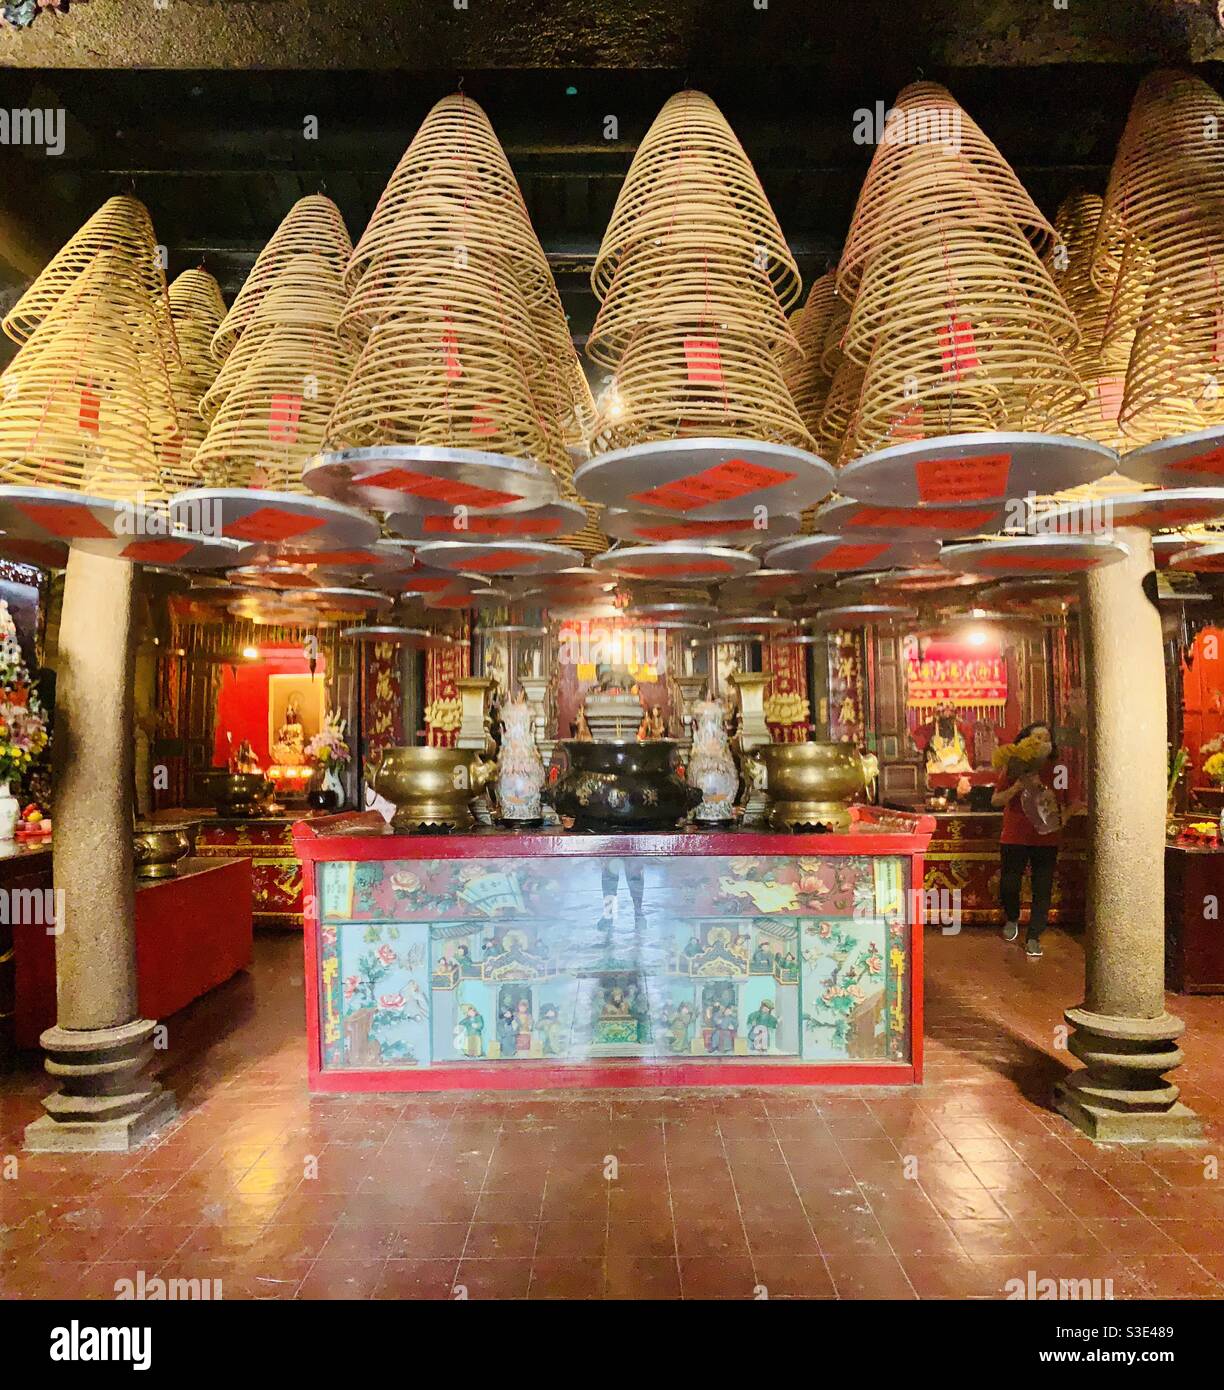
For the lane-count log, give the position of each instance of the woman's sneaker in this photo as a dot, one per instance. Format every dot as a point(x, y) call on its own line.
point(1011, 930)
point(1032, 949)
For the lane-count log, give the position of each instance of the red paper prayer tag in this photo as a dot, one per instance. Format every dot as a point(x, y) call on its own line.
point(922, 518)
point(65, 520)
point(270, 524)
point(1210, 462)
point(447, 490)
point(647, 571)
point(493, 526)
point(721, 483)
point(1109, 396)
point(978, 478)
point(156, 552)
point(450, 355)
point(957, 349)
point(90, 410)
point(503, 560)
point(284, 412)
point(848, 557)
point(907, 426)
point(704, 360)
point(689, 530)
point(482, 423)
point(1047, 564)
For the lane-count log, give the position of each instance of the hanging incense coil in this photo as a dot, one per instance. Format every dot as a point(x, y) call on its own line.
point(274, 416)
point(832, 353)
point(839, 407)
point(932, 137)
point(312, 226)
point(121, 227)
point(76, 403)
point(701, 268)
point(691, 167)
point(802, 370)
point(306, 293)
point(450, 366)
point(197, 308)
point(452, 196)
point(678, 384)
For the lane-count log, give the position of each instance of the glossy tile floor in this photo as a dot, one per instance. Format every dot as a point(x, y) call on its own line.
point(947, 1191)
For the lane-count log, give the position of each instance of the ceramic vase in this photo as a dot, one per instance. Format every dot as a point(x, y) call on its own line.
point(10, 808)
point(520, 770)
point(711, 768)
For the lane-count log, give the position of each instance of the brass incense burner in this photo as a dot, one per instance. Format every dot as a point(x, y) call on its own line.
point(810, 785)
point(238, 793)
point(157, 847)
point(430, 788)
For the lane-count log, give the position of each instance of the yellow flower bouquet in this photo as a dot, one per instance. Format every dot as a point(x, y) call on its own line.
point(1214, 768)
point(1023, 756)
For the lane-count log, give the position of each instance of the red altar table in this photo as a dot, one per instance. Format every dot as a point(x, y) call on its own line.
point(523, 961)
point(192, 933)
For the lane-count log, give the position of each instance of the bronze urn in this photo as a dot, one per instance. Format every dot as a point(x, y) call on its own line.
point(810, 785)
point(238, 793)
point(157, 847)
point(621, 784)
point(430, 788)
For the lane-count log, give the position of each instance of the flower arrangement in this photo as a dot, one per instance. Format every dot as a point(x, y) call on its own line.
point(1023, 755)
point(328, 747)
point(23, 725)
point(1214, 768)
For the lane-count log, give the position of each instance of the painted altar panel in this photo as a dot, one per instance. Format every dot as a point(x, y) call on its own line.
point(501, 961)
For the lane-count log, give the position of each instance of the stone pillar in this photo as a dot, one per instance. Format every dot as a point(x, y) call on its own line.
point(99, 1046)
point(1123, 1035)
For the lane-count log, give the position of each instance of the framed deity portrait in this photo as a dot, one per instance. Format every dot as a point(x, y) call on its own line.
point(296, 712)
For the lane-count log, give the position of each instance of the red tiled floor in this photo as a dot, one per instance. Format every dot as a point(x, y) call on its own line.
point(944, 1191)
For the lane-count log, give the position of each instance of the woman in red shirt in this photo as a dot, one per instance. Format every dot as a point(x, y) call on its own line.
point(1034, 813)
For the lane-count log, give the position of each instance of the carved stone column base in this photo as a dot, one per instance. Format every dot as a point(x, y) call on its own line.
point(104, 1103)
point(1121, 1095)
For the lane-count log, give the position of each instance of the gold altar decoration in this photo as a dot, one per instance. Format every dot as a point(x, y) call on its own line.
point(690, 161)
point(290, 371)
point(451, 366)
point(453, 196)
point(79, 401)
point(1164, 195)
point(312, 226)
point(121, 228)
point(926, 119)
point(196, 310)
point(474, 695)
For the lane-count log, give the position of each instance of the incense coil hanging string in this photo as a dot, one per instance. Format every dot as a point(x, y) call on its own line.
point(312, 226)
point(923, 110)
point(690, 165)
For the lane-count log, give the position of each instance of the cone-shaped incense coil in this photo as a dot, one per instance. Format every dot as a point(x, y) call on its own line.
point(274, 416)
point(1070, 263)
point(1169, 166)
point(802, 370)
point(948, 263)
point(691, 166)
point(306, 293)
point(927, 119)
point(197, 308)
point(677, 383)
point(451, 366)
point(701, 268)
point(840, 405)
point(832, 354)
point(454, 196)
point(75, 401)
point(120, 226)
point(312, 226)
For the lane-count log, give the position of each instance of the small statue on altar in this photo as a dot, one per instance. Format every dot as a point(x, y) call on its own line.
point(582, 730)
point(244, 759)
point(947, 744)
point(652, 726)
point(289, 747)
